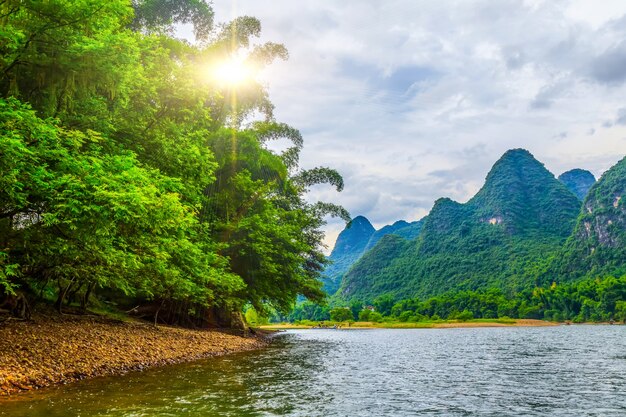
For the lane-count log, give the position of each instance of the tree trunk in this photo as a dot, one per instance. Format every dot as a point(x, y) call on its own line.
point(85, 300)
point(24, 307)
point(61, 298)
point(156, 313)
point(72, 294)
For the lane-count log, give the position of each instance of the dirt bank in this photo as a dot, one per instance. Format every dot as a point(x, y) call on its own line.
point(62, 349)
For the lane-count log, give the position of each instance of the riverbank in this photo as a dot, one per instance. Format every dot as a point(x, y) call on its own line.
point(447, 324)
point(61, 349)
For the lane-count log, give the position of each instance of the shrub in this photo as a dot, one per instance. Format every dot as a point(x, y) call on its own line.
point(375, 316)
point(405, 316)
point(465, 315)
point(364, 315)
point(416, 318)
point(341, 314)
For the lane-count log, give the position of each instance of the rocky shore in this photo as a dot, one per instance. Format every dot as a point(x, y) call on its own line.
point(61, 349)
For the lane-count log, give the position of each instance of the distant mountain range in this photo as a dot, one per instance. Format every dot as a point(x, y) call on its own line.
point(523, 228)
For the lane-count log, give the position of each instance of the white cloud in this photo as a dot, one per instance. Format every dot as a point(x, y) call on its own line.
point(412, 101)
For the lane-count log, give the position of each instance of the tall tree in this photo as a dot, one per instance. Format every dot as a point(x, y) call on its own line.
point(128, 171)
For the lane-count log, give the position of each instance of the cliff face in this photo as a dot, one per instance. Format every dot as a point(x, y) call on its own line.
point(578, 181)
point(598, 244)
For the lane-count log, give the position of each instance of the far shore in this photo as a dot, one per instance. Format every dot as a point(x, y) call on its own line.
point(52, 350)
point(421, 325)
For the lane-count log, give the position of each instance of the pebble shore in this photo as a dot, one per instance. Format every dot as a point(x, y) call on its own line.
point(61, 349)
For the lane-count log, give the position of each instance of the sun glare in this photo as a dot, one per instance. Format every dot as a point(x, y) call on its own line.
point(233, 73)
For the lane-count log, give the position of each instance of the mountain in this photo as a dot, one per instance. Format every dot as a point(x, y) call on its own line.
point(501, 238)
point(598, 244)
point(349, 247)
point(388, 248)
point(401, 228)
point(357, 238)
point(578, 181)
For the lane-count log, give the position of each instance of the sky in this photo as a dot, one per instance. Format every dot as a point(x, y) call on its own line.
point(415, 100)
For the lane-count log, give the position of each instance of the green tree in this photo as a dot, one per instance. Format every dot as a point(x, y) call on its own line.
point(375, 317)
point(384, 303)
point(341, 314)
point(356, 307)
point(364, 315)
point(126, 170)
point(620, 311)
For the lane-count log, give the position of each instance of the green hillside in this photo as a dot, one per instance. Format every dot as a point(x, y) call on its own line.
point(501, 237)
point(358, 237)
point(374, 262)
point(401, 228)
point(598, 244)
point(349, 247)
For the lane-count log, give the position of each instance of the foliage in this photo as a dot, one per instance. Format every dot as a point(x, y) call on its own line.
point(341, 314)
point(364, 315)
point(126, 172)
point(356, 307)
point(309, 311)
point(375, 317)
point(253, 318)
point(583, 301)
point(159, 16)
point(384, 304)
point(598, 244)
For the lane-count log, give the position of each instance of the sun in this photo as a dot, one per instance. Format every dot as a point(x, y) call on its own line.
point(232, 72)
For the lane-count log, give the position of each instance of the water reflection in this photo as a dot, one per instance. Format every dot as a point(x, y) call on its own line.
point(565, 371)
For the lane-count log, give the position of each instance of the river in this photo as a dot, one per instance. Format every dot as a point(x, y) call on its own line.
point(513, 371)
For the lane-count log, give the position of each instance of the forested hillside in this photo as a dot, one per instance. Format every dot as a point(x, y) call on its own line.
point(598, 245)
point(349, 247)
point(502, 238)
point(128, 175)
point(358, 237)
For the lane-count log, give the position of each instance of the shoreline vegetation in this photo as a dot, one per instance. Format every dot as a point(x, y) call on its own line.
point(584, 301)
point(59, 349)
point(439, 324)
point(133, 179)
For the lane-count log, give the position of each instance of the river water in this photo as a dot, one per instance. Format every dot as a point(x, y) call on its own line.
point(534, 371)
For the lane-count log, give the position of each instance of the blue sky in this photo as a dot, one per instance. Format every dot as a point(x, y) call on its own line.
point(415, 100)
